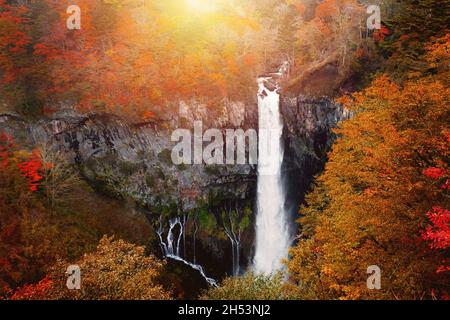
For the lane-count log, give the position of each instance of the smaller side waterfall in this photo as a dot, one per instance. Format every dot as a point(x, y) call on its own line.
point(171, 243)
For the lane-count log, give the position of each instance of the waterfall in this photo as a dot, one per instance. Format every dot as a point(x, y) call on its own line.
point(272, 230)
point(171, 245)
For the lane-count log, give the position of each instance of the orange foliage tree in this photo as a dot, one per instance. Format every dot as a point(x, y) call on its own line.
point(130, 57)
point(369, 206)
point(117, 270)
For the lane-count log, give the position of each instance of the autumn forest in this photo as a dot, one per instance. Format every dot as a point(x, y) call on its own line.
point(94, 207)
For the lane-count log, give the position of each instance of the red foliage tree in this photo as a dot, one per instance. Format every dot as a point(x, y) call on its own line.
point(37, 291)
point(31, 170)
point(438, 233)
point(14, 62)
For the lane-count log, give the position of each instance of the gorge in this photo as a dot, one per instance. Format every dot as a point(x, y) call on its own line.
point(132, 162)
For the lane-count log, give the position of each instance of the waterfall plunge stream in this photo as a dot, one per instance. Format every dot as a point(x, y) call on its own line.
point(272, 230)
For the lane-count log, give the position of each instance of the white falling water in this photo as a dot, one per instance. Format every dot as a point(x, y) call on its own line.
point(272, 235)
point(171, 246)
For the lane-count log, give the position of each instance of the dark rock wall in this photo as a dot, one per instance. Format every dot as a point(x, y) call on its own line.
point(308, 138)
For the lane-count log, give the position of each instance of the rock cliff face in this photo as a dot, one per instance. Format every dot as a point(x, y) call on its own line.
point(133, 162)
point(308, 138)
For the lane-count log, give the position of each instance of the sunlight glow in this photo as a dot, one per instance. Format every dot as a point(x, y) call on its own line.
point(201, 6)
